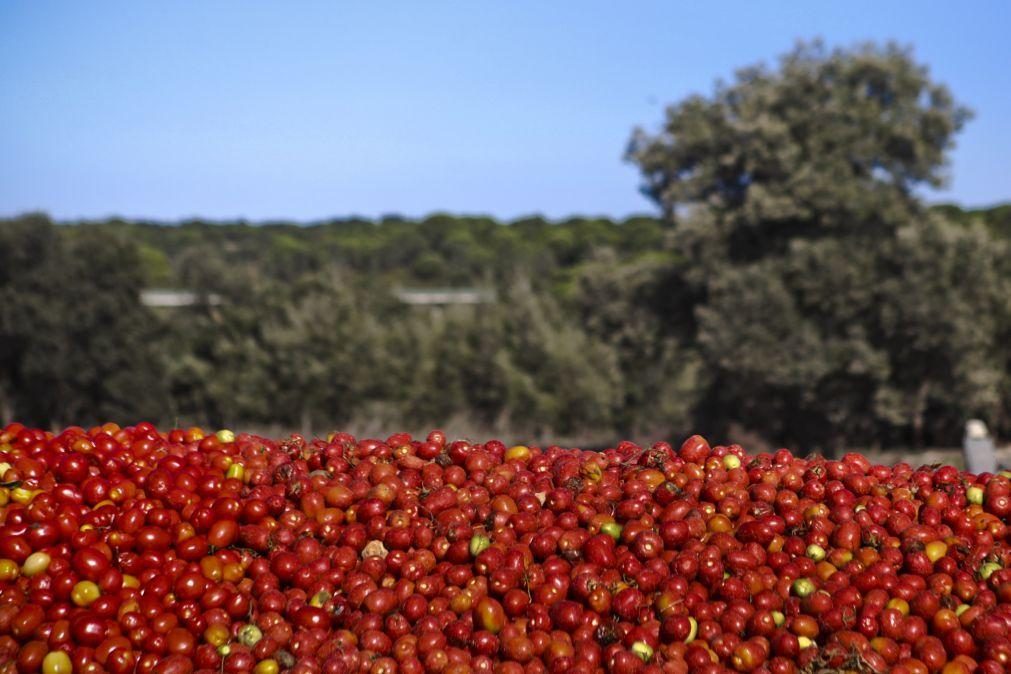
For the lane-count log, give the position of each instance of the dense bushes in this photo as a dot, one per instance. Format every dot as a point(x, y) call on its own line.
point(839, 343)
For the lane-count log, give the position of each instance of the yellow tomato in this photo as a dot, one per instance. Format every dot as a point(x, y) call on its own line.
point(236, 471)
point(57, 662)
point(22, 495)
point(268, 666)
point(693, 630)
point(935, 550)
point(216, 635)
point(9, 570)
point(36, 563)
point(899, 604)
point(85, 593)
point(517, 453)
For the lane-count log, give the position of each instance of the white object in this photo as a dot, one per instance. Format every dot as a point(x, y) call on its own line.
point(976, 429)
point(978, 448)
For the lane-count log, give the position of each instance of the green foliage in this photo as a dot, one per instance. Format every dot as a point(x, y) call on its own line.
point(304, 331)
point(77, 344)
point(155, 265)
point(831, 308)
point(996, 219)
point(520, 366)
point(642, 312)
point(895, 343)
point(829, 142)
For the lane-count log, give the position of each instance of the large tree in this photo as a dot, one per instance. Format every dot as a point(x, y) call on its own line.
point(830, 140)
point(831, 306)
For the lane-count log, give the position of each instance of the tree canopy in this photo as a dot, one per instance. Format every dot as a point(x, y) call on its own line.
point(829, 142)
point(833, 305)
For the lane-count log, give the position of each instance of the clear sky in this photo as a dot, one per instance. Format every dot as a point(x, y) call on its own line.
point(304, 110)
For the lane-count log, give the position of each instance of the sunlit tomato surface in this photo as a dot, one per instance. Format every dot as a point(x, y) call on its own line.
point(127, 549)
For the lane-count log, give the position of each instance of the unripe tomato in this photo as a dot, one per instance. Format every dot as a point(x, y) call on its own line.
point(85, 593)
point(56, 662)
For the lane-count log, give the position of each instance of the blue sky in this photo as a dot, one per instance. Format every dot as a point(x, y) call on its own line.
point(305, 110)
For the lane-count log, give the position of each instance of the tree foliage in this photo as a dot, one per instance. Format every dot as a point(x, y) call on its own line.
point(834, 307)
point(830, 142)
point(77, 344)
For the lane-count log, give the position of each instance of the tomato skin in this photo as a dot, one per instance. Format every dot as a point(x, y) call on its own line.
point(223, 533)
point(72, 468)
point(88, 631)
point(130, 521)
point(121, 661)
point(254, 510)
point(15, 547)
point(180, 641)
point(238, 605)
point(90, 564)
point(163, 622)
point(310, 617)
point(174, 664)
point(489, 614)
point(59, 634)
point(150, 538)
point(31, 655)
point(42, 534)
point(193, 548)
point(190, 585)
point(94, 490)
point(26, 622)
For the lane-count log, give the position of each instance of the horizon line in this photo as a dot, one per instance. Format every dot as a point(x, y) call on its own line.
point(393, 216)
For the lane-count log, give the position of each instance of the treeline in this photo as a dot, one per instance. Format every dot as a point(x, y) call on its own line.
point(796, 288)
point(441, 250)
point(300, 325)
point(590, 337)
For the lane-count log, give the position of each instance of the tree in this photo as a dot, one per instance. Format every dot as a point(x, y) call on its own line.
point(830, 142)
point(643, 313)
point(521, 367)
point(78, 344)
point(26, 246)
point(942, 312)
point(838, 342)
point(326, 349)
point(829, 305)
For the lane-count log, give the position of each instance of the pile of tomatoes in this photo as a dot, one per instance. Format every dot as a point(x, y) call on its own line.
point(132, 550)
